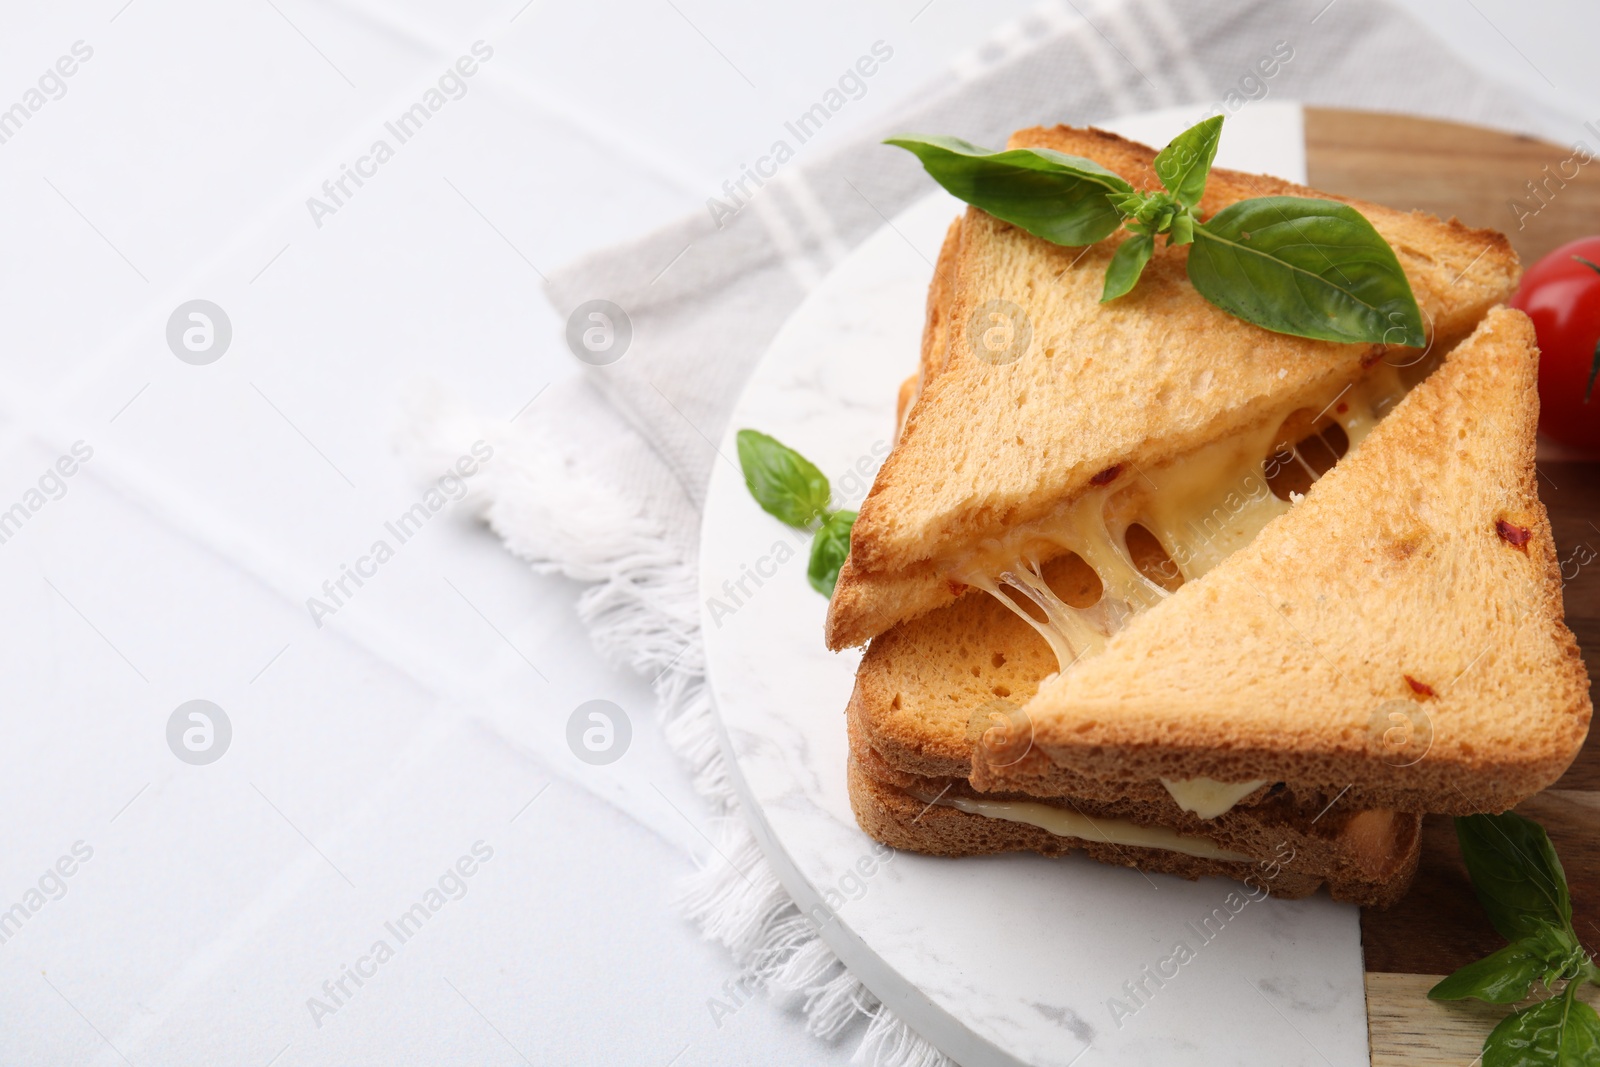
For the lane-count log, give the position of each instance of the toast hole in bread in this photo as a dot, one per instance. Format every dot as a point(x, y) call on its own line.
point(1319, 443)
point(1151, 559)
point(1073, 580)
point(1000, 691)
point(895, 703)
point(999, 660)
point(1332, 444)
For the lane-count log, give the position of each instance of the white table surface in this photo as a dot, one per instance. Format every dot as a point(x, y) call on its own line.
point(368, 754)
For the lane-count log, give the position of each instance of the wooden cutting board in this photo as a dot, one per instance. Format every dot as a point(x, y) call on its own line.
point(1475, 174)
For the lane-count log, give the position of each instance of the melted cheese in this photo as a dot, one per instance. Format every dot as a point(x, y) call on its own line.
point(1213, 502)
point(1202, 508)
point(1207, 797)
point(1064, 822)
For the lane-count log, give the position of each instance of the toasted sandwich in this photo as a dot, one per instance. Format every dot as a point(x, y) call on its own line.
point(1033, 393)
point(1251, 629)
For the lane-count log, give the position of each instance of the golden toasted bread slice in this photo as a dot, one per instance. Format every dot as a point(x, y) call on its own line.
point(928, 691)
point(924, 686)
point(1041, 389)
point(1397, 634)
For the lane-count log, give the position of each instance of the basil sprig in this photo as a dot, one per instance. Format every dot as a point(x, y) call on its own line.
point(1519, 881)
point(1294, 265)
point(791, 489)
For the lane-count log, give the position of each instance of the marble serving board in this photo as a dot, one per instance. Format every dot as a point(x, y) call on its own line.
point(1012, 959)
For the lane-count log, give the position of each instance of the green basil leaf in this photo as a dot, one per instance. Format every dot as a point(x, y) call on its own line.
point(1050, 194)
point(1560, 1032)
point(1311, 268)
point(1182, 231)
point(1127, 263)
point(828, 550)
point(786, 484)
point(1185, 163)
point(1505, 977)
point(1515, 872)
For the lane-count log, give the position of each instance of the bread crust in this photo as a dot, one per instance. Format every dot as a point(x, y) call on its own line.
point(1368, 858)
point(966, 467)
point(936, 325)
point(909, 747)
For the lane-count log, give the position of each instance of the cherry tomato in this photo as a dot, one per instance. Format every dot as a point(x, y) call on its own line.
point(1561, 293)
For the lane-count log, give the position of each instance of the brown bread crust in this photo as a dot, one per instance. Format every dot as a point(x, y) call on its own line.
point(1366, 858)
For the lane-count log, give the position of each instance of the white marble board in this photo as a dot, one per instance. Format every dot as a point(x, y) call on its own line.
point(998, 960)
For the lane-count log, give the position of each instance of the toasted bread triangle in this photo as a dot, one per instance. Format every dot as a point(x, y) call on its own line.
point(1399, 632)
point(1157, 373)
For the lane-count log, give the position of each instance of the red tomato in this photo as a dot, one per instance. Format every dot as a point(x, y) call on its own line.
point(1561, 294)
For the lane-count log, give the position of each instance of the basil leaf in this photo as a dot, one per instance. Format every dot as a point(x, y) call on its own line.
point(1515, 872)
point(1127, 263)
point(1182, 232)
point(828, 550)
point(1560, 1032)
point(1505, 977)
point(1185, 163)
point(1050, 194)
point(1311, 268)
point(786, 484)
